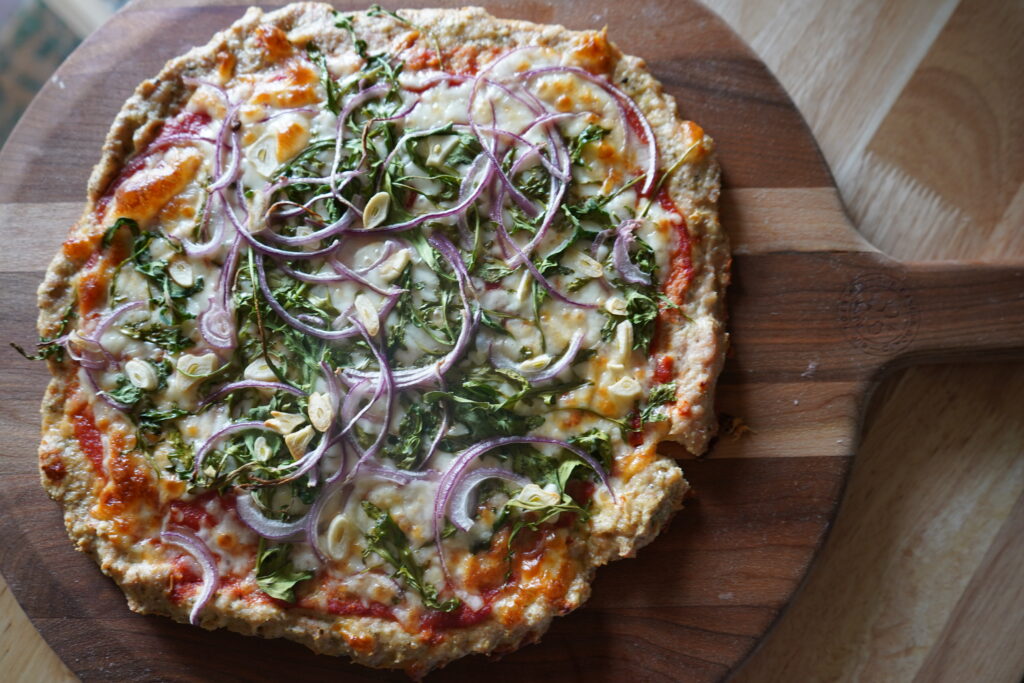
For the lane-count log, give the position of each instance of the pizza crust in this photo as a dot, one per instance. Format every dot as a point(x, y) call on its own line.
point(649, 497)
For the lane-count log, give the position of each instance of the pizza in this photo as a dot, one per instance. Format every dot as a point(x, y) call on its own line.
point(372, 326)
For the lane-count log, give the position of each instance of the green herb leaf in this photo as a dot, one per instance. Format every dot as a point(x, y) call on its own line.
point(659, 396)
point(275, 574)
point(591, 133)
point(387, 540)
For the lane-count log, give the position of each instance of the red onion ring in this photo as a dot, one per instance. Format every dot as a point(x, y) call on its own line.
point(220, 392)
point(194, 546)
point(552, 370)
point(462, 493)
point(272, 529)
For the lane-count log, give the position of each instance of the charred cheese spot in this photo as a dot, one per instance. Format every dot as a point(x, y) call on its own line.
point(593, 52)
point(208, 101)
point(128, 490)
point(274, 43)
point(295, 86)
point(543, 571)
point(142, 195)
point(225, 65)
point(292, 137)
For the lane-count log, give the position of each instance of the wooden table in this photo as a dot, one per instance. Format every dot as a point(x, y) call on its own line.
point(919, 108)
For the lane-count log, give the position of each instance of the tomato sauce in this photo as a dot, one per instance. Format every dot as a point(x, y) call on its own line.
point(89, 438)
point(184, 579)
point(434, 623)
point(664, 369)
point(354, 607)
point(191, 515)
point(186, 123)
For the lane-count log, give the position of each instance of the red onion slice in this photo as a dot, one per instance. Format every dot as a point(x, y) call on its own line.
point(624, 239)
point(552, 370)
point(109, 319)
point(194, 546)
point(461, 494)
point(272, 529)
point(223, 391)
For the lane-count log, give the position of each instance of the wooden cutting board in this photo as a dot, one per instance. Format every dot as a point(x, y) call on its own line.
point(816, 315)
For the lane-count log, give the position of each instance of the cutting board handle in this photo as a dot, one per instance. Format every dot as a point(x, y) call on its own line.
point(952, 311)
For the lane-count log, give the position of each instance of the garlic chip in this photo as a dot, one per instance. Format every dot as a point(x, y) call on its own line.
point(141, 374)
point(376, 211)
point(321, 412)
point(297, 441)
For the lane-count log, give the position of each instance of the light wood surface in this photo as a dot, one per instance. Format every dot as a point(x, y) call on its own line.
point(921, 576)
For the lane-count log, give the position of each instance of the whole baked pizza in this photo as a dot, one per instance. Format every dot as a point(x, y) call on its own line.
point(372, 326)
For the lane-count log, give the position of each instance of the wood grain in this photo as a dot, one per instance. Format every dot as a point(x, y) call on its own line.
point(731, 601)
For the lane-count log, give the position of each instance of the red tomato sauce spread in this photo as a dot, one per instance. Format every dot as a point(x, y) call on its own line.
point(89, 438)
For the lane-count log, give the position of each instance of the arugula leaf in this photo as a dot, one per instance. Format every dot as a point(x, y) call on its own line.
point(170, 297)
point(108, 234)
point(387, 540)
point(166, 337)
point(49, 347)
point(418, 427)
point(597, 443)
point(151, 421)
point(641, 311)
point(125, 392)
point(659, 396)
point(591, 133)
point(465, 151)
point(275, 574)
point(330, 85)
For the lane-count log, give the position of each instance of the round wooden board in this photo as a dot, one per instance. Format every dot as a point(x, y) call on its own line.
point(697, 600)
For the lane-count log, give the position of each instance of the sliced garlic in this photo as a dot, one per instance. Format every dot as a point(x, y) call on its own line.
point(283, 423)
point(523, 288)
point(367, 314)
point(261, 449)
point(141, 374)
point(624, 339)
point(376, 211)
point(259, 371)
point(439, 151)
point(587, 266)
point(394, 265)
point(181, 272)
point(321, 412)
point(616, 305)
point(340, 537)
point(533, 496)
point(536, 363)
point(196, 367)
point(626, 387)
point(297, 441)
